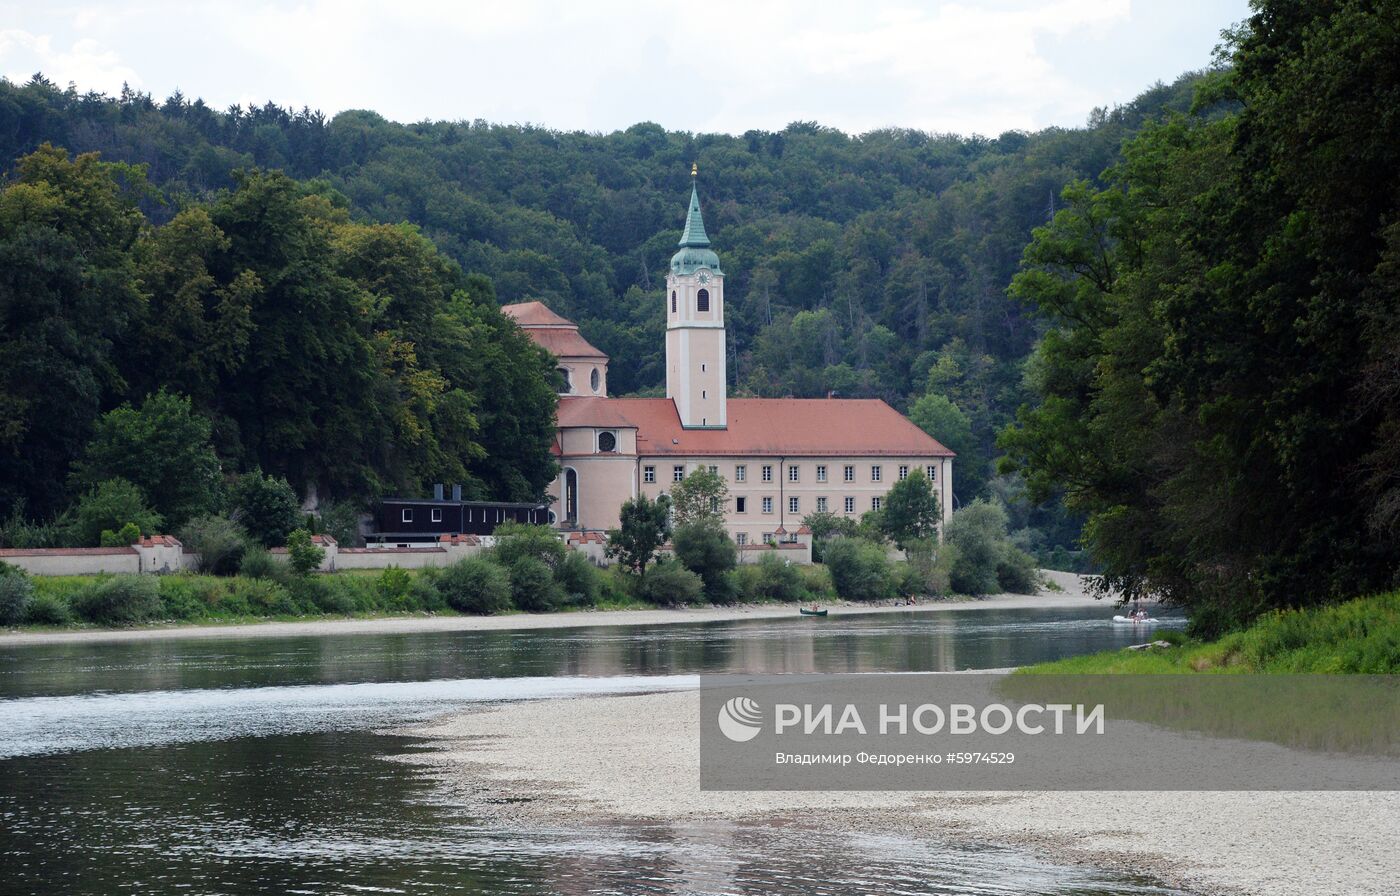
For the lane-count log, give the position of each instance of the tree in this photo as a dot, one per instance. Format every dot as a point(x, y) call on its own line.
point(517, 540)
point(68, 293)
point(910, 512)
point(163, 448)
point(645, 526)
point(700, 497)
point(859, 569)
point(704, 548)
point(986, 561)
point(475, 585)
point(266, 507)
point(532, 585)
point(109, 506)
point(217, 541)
point(940, 418)
point(304, 555)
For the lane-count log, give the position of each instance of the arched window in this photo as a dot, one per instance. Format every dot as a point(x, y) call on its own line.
point(673, 302)
point(564, 375)
point(702, 300)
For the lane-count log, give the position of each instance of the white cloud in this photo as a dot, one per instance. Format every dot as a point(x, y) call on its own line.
point(85, 63)
point(724, 65)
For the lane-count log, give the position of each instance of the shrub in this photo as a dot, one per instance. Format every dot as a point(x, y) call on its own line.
point(48, 609)
point(773, 578)
point(517, 540)
point(532, 585)
point(258, 563)
point(341, 595)
point(120, 600)
point(303, 554)
point(18, 532)
point(179, 598)
point(16, 594)
point(669, 584)
point(706, 549)
point(859, 569)
point(266, 507)
point(218, 541)
point(341, 521)
point(123, 537)
point(475, 585)
point(816, 582)
point(262, 597)
point(426, 594)
point(110, 505)
point(580, 580)
point(1016, 571)
point(394, 588)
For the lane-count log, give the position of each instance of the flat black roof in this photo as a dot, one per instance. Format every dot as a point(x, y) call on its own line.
point(521, 506)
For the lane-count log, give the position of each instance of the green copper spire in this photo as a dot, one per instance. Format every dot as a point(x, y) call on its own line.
point(694, 234)
point(695, 250)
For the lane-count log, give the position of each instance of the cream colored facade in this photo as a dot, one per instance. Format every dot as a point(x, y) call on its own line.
point(783, 459)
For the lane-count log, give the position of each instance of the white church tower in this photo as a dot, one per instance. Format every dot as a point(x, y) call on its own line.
point(696, 378)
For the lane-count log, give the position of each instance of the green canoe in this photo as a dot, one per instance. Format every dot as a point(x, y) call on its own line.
point(806, 612)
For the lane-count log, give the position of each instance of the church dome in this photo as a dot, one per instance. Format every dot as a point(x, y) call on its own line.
point(695, 251)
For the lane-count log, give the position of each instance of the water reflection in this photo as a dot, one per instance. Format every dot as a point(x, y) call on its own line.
point(324, 814)
point(918, 642)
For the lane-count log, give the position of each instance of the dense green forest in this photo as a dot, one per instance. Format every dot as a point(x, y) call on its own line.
point(1220, 391)
point(871, 265)
point(261, 329)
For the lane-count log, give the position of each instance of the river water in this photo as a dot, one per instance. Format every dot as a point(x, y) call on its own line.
point(257, 765)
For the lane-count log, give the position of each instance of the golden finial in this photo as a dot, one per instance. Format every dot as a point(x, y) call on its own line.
point(694, 169)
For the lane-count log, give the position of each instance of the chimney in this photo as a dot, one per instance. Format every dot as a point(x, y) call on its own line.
point(456, 491)
point(437, 491)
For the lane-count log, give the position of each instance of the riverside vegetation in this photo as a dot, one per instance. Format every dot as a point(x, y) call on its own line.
point(529, 569)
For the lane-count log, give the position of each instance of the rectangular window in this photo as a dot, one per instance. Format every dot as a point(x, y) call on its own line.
point(874, 503)
point(741, 473)
point(792, 505)
point(437, 514)
point(848, 473)
point(875, 473)
point(741, 538)
point(714, 469)
point(407, 515)
point(821, 505)
point(648, 474)
point(794, 473)
point(767, 473)
point(903, 472)
point(677, 473)
point(714, 504)
point(741, 505)
point(821, 472)
point(932, 473)
point(767, 505)
point(850, 504)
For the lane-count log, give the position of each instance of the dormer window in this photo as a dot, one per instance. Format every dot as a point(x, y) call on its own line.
point(702, 300)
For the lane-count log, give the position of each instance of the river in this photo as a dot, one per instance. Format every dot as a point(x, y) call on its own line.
point(254, 765)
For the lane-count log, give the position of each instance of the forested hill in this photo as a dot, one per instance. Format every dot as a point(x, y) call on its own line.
point(874, 265)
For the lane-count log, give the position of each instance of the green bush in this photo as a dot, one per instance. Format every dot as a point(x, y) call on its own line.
point(859, 569)
point(48, 609)
point(120, 600)
point(262, 597)
point(580, 580)
point(303, 555)
point(669, 584)
point(517, 540)
point(266, 507)
point(110, 505)
point(180, 599)
point(426, 594)
point(16, 594)
point(706, 549)
point(772, 578)
point(816, 583)
point(342, 595)
point(258, 563)
point(987, 561)
point(394, 589)
point(532, 585)
point(219, 542)
point(475, 585)
point(124, 537)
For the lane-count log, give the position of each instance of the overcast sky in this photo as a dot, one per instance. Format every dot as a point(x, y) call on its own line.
point(982, 66)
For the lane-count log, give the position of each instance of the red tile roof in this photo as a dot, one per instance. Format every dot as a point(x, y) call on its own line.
point(551, 332)
point(534, 314)
point(815, 427)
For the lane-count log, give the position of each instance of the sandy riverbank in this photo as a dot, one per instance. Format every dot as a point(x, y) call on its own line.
point(637, 757)
point(1071, 595)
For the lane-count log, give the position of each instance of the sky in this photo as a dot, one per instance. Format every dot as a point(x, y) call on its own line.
point(974, 66)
